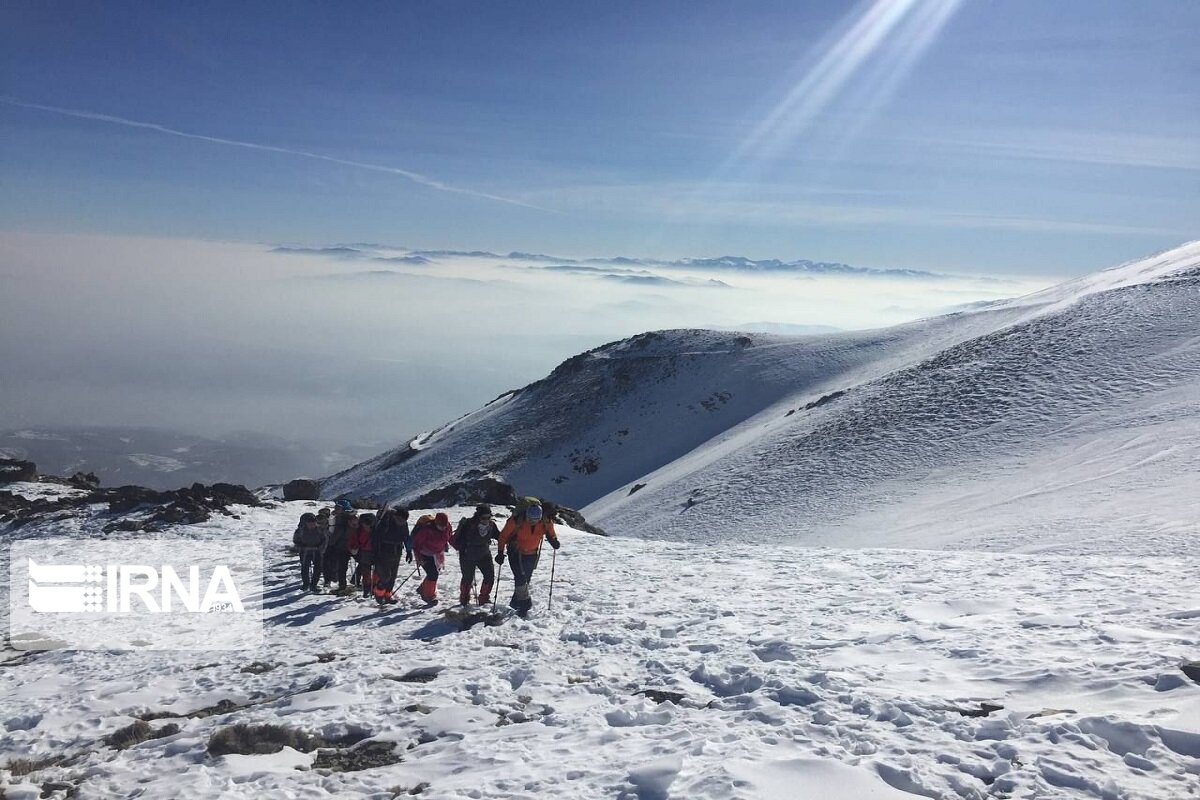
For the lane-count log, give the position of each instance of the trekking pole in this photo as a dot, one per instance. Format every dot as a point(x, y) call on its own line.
point(409, 578)
point(496, 588)
point(550, 602)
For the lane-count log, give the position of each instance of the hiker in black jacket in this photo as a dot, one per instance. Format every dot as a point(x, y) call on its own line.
point(337, 551)
point(309, 540)
point(473, 538)
point(389, 539)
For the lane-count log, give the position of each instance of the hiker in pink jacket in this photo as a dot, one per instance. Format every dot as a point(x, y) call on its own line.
point(431, 540)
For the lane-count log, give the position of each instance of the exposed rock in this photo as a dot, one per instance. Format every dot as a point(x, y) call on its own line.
point(820, 401)
point(302, 489)
point(368, 755)
point(486, 490)
point(983, 710)
point(490, 491)
point(126, 498)
point(137, 733)
point(13, 470)
point(258, 668)
point(1191, 669)
point(233, 493)
point(571, 517)
point(248, 740)
point(84, 480)
point(660, 696)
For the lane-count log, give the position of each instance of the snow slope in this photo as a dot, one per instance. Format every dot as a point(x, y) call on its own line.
point(1068, 415)
point(800, 672)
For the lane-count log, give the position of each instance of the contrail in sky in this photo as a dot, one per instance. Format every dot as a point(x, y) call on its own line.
point(415, 177)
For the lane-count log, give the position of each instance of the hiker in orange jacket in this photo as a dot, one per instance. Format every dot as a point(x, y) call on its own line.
point(521, 541)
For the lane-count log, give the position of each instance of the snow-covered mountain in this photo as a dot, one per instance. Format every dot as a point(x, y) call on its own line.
point(1070, 414)
point(752, 670)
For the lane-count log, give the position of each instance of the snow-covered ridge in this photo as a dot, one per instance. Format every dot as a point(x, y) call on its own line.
point(1070, 413)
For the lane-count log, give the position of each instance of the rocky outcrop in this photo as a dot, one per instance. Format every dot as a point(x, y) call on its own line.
point(13, 470)
point(493, 492)
point(469, 492)
point(302, 489)
point(84, 480)
point(132, 508)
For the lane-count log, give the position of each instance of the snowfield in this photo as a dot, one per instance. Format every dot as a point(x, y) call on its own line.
point(664, 670)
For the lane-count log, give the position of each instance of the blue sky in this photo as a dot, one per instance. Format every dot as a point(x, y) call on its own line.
point(990, 137)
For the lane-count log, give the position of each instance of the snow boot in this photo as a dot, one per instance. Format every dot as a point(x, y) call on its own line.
point(428, 591)
point(521, 601)
point(485, 593)
point(464, 593)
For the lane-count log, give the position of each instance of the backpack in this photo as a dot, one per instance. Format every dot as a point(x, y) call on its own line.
point(421, 532)
point(522, 504)
point(311, 537)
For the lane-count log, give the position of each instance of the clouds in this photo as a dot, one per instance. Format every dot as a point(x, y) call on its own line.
point(349, 341)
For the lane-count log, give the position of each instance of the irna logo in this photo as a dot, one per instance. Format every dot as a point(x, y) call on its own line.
point(131, 588)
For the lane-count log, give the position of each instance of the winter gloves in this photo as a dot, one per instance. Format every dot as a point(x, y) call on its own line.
point(554, 543)
point(499, 558)
point(408, 556)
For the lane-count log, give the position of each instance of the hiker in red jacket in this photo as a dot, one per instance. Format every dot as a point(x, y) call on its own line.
point(359, 543)
point(431, 540)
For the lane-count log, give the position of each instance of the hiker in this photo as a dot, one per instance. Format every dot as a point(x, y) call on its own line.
point(309, 539)
point(325, 521)
point(522, 539)
point(473, 540)
point(359, 543)
point(337, 551)
point(431, 540)
point(389, 539)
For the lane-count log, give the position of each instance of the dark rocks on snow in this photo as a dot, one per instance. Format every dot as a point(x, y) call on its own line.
point(126, 498)
point(302, 489)
point(84, 480)
point(571, 517)
point(468, 492)
point(13, 470)
point(1191, 669)
point(820, 401)
point(493, 492)
point(983, 710)
point(367, 755)
point(251, 740)
point(137, 733)
point(179, 507)
point(660, 696)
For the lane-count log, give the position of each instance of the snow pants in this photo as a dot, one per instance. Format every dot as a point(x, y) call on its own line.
point(468, 564)
point(310, 559)
point(387, 566)
point(522, 565)
point(428, 587)
point(336, 564)
point(363, 573)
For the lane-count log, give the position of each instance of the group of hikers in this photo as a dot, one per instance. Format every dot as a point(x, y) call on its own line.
point(329, 540)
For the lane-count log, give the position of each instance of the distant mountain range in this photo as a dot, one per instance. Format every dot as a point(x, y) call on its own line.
point(377, 252)
point(166, 460)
